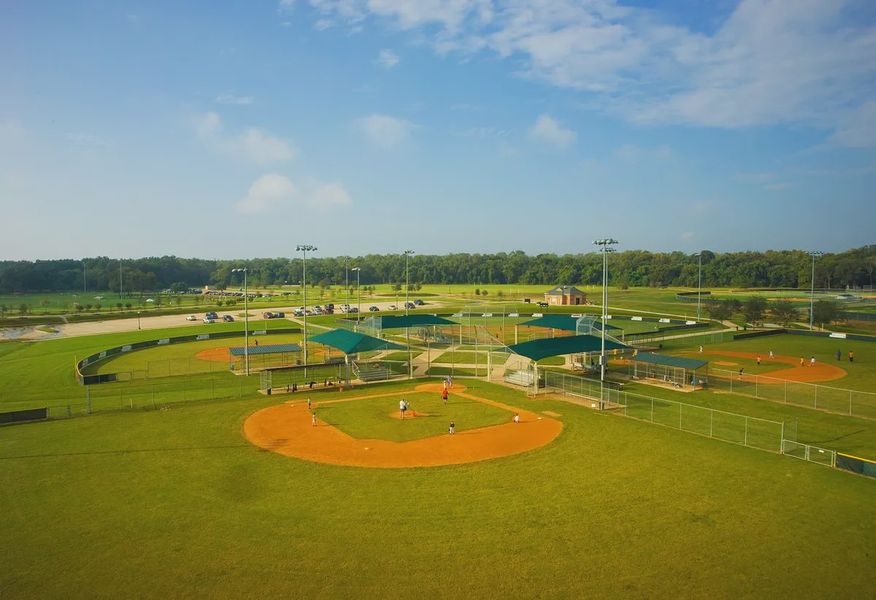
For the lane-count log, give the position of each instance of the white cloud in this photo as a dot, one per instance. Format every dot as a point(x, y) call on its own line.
point(87, 140)
point(233, 99)
point(548, 130)
point(273, 192)
point(385, 131)
point(285, 5)
point(767, 62)
point(267, 193)
point(387, 59)
point(253, 145)
point(327, 195)
point(633, 153)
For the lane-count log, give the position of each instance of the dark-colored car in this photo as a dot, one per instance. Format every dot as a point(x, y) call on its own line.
point(543, 304)
point(373, 308)
point(228, 318)
point(418, 302)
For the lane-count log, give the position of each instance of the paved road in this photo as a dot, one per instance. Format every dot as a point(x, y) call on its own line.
point(156, 322)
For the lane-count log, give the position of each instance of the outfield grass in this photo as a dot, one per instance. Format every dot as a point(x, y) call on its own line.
point(371, 418)
point(183, 506)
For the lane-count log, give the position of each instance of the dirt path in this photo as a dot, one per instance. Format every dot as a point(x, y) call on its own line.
point(286, 429)
point(819, 372)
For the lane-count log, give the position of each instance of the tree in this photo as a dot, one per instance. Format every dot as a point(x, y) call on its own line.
point(784, 312)
point(119, 306)
point(23, 308)
point(128, 305)
point(753, 309)
point(477, 291)
point(484, 292)
point(720, 310)
point(178, 287)
point(825, 311)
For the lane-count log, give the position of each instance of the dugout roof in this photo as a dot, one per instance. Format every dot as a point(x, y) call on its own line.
point(564, 322)
point(265, 349)
point(393, 322)
point(572, 344)
point(680, 362)
point(351, 342)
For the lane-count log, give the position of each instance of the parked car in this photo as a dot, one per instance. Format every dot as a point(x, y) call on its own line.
point(268, 315)
point(418, 302)
point(191, 318)
point(299, 312)
point(354, 309)
point(330, 306)
point(393, 307)
point(209, 320)
point(228, 318)
point(543, 304)
point(410, 305)
point(212, 315)
point(373, 308)
point(279, 315)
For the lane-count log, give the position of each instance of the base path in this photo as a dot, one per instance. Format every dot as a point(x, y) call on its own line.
point(821, 371)
point(287, 429)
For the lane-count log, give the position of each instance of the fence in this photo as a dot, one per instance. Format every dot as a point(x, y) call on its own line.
point(797, 393)
point(140, 394)
point(821, 456)
point(744, 430)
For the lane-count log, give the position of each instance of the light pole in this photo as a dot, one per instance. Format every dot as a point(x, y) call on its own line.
point(699, 256)
point(358, 294)
point(604, 247)
point(304, 249)
point(814, 254)
point(84, 280)
point(407, 280)
point(408, 253)
point(245, 318)
point(120, 279)
point(346, 279)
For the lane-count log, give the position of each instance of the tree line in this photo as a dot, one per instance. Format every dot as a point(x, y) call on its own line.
point(632, 268)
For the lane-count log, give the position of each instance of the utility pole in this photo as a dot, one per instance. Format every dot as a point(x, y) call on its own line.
point(304, 249)
point(813, 254)
point(245, 318)
point(604, 245)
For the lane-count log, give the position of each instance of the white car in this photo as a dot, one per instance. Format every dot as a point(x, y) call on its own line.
point(209, 320)
point(191, 318)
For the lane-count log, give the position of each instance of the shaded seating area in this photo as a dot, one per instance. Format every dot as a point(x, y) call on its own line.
point(677, 371)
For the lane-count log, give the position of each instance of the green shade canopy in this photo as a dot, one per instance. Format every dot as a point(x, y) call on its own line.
point(564, 322)
point(350, 342)
point(265, 349)
point(670, 361)
point(570, 344)
point(392, 322)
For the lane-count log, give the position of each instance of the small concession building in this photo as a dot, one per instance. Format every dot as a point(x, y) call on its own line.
point(565, 295)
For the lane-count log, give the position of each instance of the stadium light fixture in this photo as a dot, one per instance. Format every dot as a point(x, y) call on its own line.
point(358, 295)
point(304, 249)
point(699, 256)
point(245, 318)
point(604, 245)
point(408, 254)
point(814, 254)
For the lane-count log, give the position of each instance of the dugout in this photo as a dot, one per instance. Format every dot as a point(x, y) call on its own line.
point(574, 345)
point(677, 371)
point(356, 347)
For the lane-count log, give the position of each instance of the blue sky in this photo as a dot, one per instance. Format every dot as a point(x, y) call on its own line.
point(240, 129)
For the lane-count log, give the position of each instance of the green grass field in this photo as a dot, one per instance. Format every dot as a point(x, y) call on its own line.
point(178, 501)
point(667, 514)
point(368, 418)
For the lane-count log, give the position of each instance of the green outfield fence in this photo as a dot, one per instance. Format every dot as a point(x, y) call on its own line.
point(93, 359)
point(816, 396)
